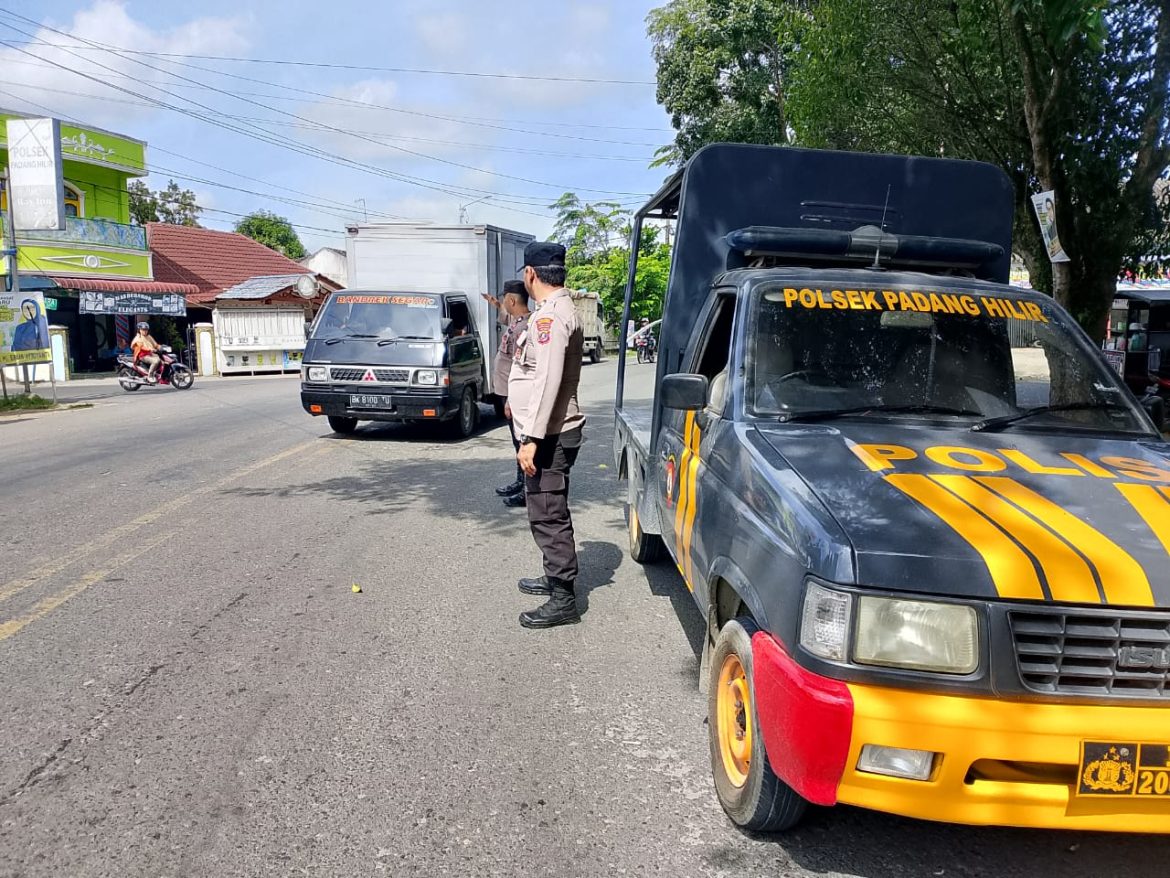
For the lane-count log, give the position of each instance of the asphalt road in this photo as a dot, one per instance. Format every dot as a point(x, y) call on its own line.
point(190, 686)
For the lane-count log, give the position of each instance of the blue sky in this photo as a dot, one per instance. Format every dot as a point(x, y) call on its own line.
point(427, 144)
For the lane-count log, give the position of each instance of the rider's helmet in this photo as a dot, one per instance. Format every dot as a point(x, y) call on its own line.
point(144, 325)
point(645, 321)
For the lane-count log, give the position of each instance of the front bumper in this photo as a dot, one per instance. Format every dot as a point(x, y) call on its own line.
point(407, 405)
point(1003, 763)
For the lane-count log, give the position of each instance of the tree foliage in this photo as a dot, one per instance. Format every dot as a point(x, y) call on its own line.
point(598, 258)
point(173, 205)
point(723, 68)
point(272, 231)
point(1064, 95)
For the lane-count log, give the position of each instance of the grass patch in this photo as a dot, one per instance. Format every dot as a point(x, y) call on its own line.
point(25, 402)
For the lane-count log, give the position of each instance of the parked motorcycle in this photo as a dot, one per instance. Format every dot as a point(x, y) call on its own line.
point(132, 374)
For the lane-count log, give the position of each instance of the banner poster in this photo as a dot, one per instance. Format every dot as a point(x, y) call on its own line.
point(24, 330)
point(1045, 205)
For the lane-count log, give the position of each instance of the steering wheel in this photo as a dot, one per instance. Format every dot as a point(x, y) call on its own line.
point(800, 373)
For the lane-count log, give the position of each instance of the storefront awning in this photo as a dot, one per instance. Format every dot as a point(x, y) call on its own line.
point(141, 287)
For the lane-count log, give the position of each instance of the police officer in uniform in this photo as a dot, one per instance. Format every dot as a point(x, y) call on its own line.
point(542, 392)
point(514, 305)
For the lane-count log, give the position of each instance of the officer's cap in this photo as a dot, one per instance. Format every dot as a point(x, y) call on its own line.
point(544, 254)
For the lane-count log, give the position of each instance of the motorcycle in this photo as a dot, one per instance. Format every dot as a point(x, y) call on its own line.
point(132, 374)
point(647, 346)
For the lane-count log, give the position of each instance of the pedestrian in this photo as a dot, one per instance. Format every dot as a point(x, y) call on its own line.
point(514, 306)
point(542, 391)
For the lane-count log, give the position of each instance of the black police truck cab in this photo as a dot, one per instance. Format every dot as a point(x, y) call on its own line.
point(927, 525)
point(374, 355)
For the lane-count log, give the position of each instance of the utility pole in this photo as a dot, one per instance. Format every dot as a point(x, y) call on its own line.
point(463, 208)
point(12, 279)
point(365, 211)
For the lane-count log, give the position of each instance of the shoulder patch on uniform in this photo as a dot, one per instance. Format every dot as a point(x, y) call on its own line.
point(544, 330)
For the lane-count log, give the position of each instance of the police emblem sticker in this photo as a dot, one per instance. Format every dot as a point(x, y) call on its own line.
point(671, 470)
point(544, 330)
point(1108, 769)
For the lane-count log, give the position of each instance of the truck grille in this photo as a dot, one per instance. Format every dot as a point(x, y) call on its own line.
point(1082, 653)
point(386, 376)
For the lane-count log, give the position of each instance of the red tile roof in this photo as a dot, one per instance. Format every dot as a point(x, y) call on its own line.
point(212, 261)
point(102, 285)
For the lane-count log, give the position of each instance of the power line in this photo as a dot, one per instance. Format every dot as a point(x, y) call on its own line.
point(476, 121)
point(284, 143)
point(334, 129)
point(376, 69)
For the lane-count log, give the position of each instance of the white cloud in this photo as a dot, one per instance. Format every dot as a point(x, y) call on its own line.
point(47, 79)
point(589, 19)
point(445, 35)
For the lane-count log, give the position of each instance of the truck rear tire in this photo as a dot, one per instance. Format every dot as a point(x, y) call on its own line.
point(750, 792)
point(467, 418)
point(343, 426)
point(595, 356)
point(644, 548)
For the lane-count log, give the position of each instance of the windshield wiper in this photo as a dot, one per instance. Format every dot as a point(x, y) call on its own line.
point(346, 337)
point(829, 414)
point(395, 338)
point(992, 425)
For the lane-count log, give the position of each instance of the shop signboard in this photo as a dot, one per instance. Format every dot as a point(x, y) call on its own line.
point(166, 304)
point(24, 330)
point(34, 169)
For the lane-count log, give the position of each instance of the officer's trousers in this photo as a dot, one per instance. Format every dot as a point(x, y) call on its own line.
point(548, 504)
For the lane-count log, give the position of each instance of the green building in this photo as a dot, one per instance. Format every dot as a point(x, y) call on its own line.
point(96, 274)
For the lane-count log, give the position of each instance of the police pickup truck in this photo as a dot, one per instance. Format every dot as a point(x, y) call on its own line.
point(927, 525)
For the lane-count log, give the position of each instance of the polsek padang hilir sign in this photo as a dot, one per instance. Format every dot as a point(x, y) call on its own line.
point(24, 330)
point(34, 174)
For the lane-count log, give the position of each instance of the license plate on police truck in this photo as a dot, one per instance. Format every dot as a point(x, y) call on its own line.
point(370, 401)
point(1124, 769)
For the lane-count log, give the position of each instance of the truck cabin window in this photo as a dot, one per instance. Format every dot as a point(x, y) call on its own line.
point(377, 315)
point(945, 353)
point(460, 318)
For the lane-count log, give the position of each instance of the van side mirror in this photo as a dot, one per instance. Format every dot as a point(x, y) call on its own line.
point(684, 392)
point(445, 325)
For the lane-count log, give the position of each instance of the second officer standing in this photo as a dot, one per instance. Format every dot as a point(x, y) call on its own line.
point(542, 392)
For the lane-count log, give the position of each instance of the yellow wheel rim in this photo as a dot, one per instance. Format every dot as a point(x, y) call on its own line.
point(635, 526)
point(733, 709)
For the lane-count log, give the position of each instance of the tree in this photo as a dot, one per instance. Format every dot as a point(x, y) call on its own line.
point(598, 259)
point(723, 68)
point(272, 231)
point(173, 205)
point(1064, 95)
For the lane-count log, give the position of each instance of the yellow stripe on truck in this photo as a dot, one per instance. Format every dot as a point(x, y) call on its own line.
point(1011, 569)
point(1152, 504)
point(692, 472)
point(1067, 575)
point(1123, 580)
point(684, 494)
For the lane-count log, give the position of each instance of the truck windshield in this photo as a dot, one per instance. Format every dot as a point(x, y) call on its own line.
point(376, 315)
point(990, 360)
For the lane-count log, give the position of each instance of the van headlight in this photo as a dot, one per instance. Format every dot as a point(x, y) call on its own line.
point(889, 632)
point(317, 373)
point(917, 635)
point(426, 376)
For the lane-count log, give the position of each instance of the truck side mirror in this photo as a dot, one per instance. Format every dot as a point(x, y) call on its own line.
point(684, 392)
point(445, 325)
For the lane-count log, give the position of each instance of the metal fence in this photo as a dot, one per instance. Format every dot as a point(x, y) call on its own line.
point(1022, 333)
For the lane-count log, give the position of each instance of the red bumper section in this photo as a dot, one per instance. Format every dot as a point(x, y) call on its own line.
point(806, 721)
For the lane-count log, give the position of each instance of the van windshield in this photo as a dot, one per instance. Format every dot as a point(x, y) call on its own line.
point(378, 315)
point(990, 360)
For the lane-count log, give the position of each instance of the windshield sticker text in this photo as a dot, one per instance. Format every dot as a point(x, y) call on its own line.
point(412, 301)
point(913, 301)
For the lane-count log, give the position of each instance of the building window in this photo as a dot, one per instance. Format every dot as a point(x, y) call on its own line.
point(74, 201)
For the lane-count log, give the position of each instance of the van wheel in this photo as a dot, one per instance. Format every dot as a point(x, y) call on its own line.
point(468, 417)
point(595, 356)
point(344, 426)
point(644, 548)
point(749, 791)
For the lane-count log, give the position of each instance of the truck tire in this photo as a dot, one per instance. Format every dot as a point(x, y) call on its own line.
point(750, 792)
point(644, 548)
point(595, 355)
point(467, 418)
point(342, 426)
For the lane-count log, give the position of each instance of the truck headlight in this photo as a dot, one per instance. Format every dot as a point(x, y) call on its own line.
point(824, 623)
point(426, 376)
point(917, 635)
point(317, 373)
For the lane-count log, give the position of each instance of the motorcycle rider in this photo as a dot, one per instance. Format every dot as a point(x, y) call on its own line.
point(146, 351)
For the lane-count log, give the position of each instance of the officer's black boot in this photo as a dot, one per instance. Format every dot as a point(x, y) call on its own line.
point(512, 488)
point(560, 609)
point(535, 586)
